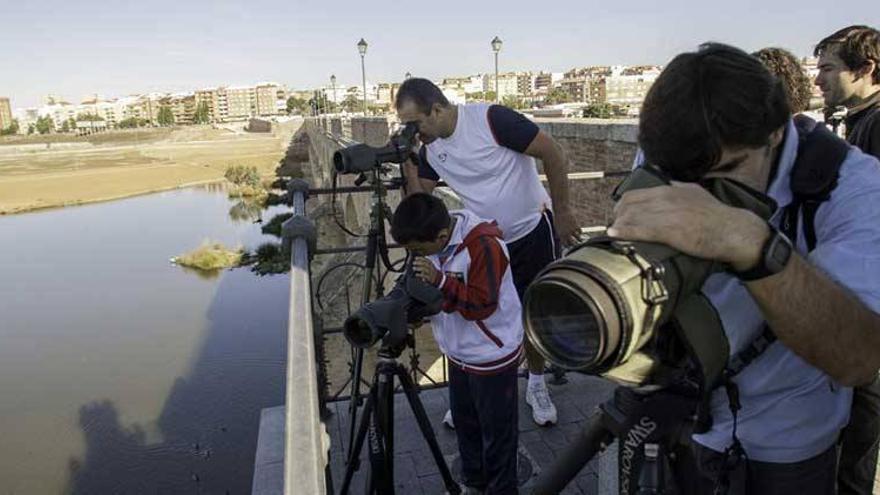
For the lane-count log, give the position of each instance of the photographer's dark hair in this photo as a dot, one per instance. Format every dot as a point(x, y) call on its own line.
point(785, 66)
point(419, 218)
point(855, 45)
point(717, 96)
point(422, 92)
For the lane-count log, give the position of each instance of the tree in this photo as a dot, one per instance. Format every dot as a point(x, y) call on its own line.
point(513, 101)
point(11, 130)
point(556, 96)
point(89, 117)
point(243, 175)
point(598, 111)
point(165, 117)
point(352, 104)
point(65, 126)
point(202, 115)
point(45, 125)
point(297, 105)
point(480, 96)
point(131, 123)
point(31, 129)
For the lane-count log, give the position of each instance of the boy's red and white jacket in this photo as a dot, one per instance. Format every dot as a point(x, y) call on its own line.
point(480, 328)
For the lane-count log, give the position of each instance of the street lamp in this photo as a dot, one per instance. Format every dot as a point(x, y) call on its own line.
point(496, 47)
point(333, 83)
point(362, 49)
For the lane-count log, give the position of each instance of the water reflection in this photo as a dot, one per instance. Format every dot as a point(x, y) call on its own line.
point(209, 423)
point(246, 210)
point(123, 373)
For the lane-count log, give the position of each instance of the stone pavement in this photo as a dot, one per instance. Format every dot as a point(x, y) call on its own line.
point(415, 471)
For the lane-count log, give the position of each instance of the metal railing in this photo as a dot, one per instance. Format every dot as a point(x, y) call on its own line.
point(306, 442)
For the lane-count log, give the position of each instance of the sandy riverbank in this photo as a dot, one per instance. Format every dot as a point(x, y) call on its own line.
point(130, 164)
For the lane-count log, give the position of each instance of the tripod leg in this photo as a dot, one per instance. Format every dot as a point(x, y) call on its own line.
point(357, 367)
point(357, 442)
point(382, 481)
point(355, 396)
point(592, 439)
point(424, 423)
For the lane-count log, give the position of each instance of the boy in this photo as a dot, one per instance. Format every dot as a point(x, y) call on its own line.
point(479, 330)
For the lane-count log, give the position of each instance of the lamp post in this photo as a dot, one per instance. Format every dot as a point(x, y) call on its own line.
point(496, 47)
point(362, 49)
point(333, 83)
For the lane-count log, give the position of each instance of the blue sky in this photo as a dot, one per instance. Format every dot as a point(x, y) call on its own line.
point(76, 48)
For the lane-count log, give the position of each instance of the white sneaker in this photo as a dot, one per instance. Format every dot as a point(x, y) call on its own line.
point(543, 410)
point(447, 420)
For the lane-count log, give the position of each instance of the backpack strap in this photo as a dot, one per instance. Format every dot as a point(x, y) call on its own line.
point(816, 170)
point(814, 176)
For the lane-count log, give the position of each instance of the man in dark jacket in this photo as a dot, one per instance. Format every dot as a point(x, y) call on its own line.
point(849, 76)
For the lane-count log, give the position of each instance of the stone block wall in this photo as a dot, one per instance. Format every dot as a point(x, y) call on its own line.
point(593, 145)
point(589, 144)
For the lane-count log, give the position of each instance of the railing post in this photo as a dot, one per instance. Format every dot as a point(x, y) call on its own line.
point(306, 444)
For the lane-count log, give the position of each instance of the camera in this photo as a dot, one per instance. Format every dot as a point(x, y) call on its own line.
point(630, 310)
point(362, 158)
point(386, 319)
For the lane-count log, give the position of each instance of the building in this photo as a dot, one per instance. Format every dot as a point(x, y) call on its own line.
point(385, 93)
point(266, 99)
point(467, 85)
point(577, 87)
point(183, 107)
point(5, 113)
point(211, 98)
point(507, 84)
point(525, 83)
point(627, 87)
point(241, 102)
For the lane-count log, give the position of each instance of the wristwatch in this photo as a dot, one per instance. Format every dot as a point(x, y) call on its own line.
point(774, 257)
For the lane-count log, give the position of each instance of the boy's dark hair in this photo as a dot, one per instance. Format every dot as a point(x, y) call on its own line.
point(785, 66)
point(855, 45)
point(422, 92)
point(717, 96)
point(419, 218)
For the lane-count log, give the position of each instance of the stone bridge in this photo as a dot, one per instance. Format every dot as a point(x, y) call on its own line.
point(591, 146)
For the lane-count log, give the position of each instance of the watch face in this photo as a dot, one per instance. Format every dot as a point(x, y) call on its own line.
point(778, 253)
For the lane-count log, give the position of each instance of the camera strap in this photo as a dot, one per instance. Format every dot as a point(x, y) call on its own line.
point(814, 176)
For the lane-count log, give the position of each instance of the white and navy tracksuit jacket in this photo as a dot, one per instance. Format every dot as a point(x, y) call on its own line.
point(480, 328)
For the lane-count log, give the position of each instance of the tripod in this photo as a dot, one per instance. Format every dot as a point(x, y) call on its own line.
point(377, 420)
point(376, 246)
point(649, 423)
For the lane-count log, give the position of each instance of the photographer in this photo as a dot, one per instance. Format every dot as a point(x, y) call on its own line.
point(486, 154)
point(718, 112)
point(479, 330)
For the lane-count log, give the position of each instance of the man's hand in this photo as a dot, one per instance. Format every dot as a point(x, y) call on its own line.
point(687, 218)
point(410, 169)
point(566, 226)
point(424, 270)
point(411, 176)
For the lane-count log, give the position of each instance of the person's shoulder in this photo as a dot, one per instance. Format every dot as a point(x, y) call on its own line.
point(859, 173)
